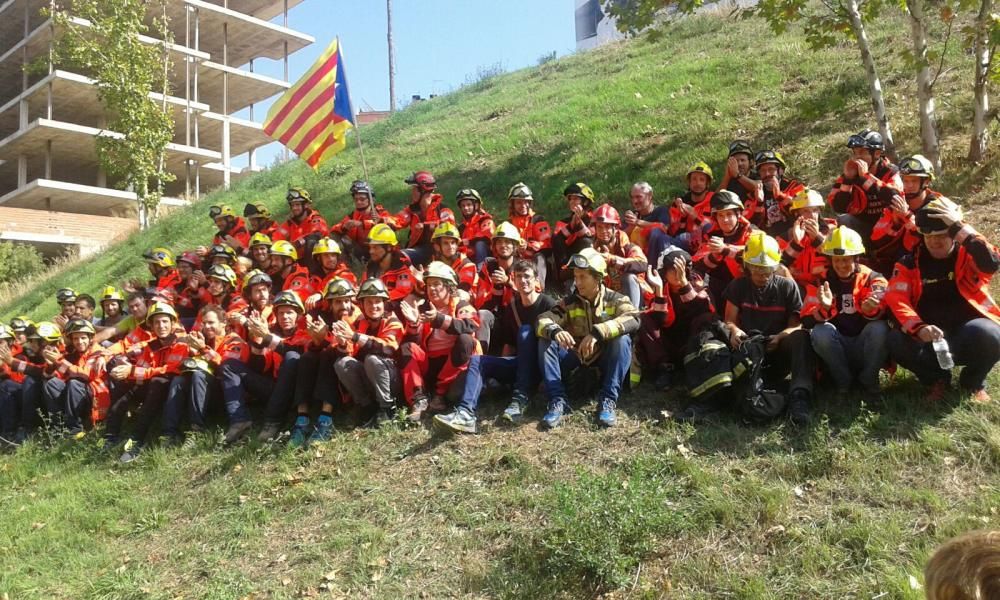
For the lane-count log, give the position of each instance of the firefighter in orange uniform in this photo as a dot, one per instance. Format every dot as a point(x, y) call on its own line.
point(534, 229)
point(476, 225)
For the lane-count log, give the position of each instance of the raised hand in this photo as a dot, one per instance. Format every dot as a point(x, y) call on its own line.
point(654, 280)
point(409, 311)
point(825, 295)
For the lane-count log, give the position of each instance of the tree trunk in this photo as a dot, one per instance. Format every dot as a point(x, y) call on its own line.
point(981, 100)
point(392, 57)
point(871, 73)
point(925, 94)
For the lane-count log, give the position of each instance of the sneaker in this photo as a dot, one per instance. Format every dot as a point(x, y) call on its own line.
point(979, 396)
point(553, 415)
point(437, 405)
point(606, 413)
point(300, 433)
point(798, 408)
point(132, 450)
point(418, 408)
point(514, 412)
point(460, 420)
point(270, 432)
point(937, 392)
point(696, 412)
point(323, 432)
point(236, 432)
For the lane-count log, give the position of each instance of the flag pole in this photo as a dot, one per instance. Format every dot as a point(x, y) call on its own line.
point(354, 117)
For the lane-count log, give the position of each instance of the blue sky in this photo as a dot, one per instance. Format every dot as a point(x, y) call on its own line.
point(439, 44)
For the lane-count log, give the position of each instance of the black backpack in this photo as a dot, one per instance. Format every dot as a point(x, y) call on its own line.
point(753, 400)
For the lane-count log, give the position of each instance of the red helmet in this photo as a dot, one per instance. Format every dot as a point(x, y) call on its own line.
point(190, 258)
point(423, 179)
point(606, 213)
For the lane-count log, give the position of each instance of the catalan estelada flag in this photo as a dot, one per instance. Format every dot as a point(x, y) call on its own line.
point(313, 117)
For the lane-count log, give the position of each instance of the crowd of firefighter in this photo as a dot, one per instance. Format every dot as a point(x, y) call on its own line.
point(749, 292)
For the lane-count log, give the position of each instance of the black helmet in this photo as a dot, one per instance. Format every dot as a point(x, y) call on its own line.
point(671, 253)
point(725, 200)
point(765, 157)
point(869, 139)
point(360, 186)
point(65, 295)
point(740, 147)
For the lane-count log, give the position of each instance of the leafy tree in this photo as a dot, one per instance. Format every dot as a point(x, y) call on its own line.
point(17, 261)
point(100, 38)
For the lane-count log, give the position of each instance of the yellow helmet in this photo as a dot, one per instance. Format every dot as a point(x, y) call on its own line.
point(161, 308)
point(223, 273)
point(582, 190)
point(256, 209)
point(21, 324)
point(446, 229)
point(326, 246)
point(284, 248)
point(507, 231)
point(808, 198)
point(843, 241)
point(110, 292)
point(439, 270)
point(588, 258)
point(218, 211)
point(762, 250)
point(260, 239)
point(48, 331)
point(700, 167)
point(382, 234)
point(338, 287)
point(160, 257)
point(297, 194)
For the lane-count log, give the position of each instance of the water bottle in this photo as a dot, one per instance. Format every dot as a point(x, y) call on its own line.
point(943, 353)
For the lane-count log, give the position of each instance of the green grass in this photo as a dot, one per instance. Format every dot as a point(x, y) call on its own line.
point(849, 508)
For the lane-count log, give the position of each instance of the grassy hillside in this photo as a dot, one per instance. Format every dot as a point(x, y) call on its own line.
point(850, 508)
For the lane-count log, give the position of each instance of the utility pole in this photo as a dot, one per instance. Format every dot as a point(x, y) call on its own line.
point(392, 57)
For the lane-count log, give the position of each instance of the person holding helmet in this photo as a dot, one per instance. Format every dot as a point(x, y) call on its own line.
point(802, 254)
point(574, 232)
point(330, 341)
point(424, 213)
point(368, 372)
point(591, 327)
point(447, 249)
point(739, 169)
point(232, 230)
point(691, 212)
point(259, 219)
point(846, 317)
point(352, 230)
point(720, 256)
point(476, 226)
point(626, 262)
point(286, 273)
point(81, 389)
point(304, 225)
point(162, 267)
point(536, 235)
point(191, 391)
point(866, 187)
point(66, 298)
point(328, 266)
point(440, 341)
point(895, 233)
point(941, 293)
point(260, 251)
point(34, 365)
point(146, 376)
point(769, 209)
point(388, 263)
point(646, 224)
point(495, 290)
point(765, 302)
point(681, 306)
point(517, 364)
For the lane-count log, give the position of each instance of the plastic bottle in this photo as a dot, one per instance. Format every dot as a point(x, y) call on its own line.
point(943, 353)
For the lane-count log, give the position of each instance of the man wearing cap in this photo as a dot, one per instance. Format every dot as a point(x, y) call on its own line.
point(352, 230)
point(626, 262)
point(690, 213)
point(440, 341)
point(232, 230)
point(495, 290)
point(66, 298)
point(867, 184)
point(573, 233)
point(941, 292)
point(518, 361)
point(476, 226)
point(589, 328)
point(765, 302)
point(162, 267)
point(846, 317)
point(424, 213)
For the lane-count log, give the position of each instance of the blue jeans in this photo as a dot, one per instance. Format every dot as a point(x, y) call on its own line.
point(520, 369)
point(10, 402)
point(31, 402)
point(862, 355)
point(278, 393)
point(659, 240)
point(72, 396)
point(481, 251)
point(614, 361)
point(631, 288)
point(976, 345)
point(191, 391)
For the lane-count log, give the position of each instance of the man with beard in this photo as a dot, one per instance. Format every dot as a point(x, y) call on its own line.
point(690, 213)
point(739, 170)
point(769, 211)
point(286, 273)
point(232, 231)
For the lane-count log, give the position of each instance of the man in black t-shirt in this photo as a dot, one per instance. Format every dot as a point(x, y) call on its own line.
point(762, 301)
point(515, 334)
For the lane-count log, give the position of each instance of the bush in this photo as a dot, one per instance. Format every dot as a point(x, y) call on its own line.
point(17, 261)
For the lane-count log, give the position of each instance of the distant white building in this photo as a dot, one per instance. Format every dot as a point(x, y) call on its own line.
point(593, 27)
